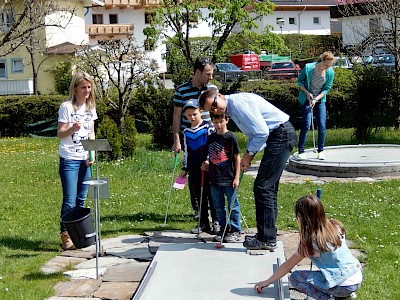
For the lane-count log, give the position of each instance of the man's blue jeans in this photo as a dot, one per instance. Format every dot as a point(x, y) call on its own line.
point(280, 143)
point(218, 197)
point(73, 173)
point(320, 116)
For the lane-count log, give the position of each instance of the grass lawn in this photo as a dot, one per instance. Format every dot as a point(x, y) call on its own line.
point(30, 202)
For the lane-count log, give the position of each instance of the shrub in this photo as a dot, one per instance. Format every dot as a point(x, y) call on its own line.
point(155, 106)
point(108, 129)
point(62, 72)
point(17, 112)
point(129, 137)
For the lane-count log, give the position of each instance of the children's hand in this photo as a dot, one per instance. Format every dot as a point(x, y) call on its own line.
point(205, 165)
point(235, 183)
point(183, 173)
point(259, 286)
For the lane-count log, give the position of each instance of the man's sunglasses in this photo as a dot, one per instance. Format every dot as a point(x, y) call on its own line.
point(214, 105)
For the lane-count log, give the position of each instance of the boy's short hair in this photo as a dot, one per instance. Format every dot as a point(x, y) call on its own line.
point(192, 103)
point(215, 116)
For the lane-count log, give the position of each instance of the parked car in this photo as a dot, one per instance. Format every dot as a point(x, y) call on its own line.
point(228, 72)
point(386, 61)
point(283, 70)
point(342, 62)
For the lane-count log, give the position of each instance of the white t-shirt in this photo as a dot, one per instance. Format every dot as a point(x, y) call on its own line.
point(71, 146)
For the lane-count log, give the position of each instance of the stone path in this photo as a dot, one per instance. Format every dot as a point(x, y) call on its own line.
point(127, 257)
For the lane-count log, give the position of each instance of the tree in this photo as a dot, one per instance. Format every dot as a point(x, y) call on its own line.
point(117, 66)
point(222, 16)
point(20, 21)
point(384, 28)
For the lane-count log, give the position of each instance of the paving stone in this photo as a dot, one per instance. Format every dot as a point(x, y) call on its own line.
point(71, 298)
point(138, 252)
point(257, 252)
point(84, 273)
point(59, 263)
point(77, 288)
point(116, 290)
point(78, 253)
point(131, 272)
point(104, 262)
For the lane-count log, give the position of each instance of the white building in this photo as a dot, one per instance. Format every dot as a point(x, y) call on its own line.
point(122, 18)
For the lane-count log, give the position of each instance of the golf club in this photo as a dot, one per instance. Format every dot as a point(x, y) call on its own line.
point(313, 131)
point(234, 195)
point(170, 187)
point(201, 201)
point(319, 194)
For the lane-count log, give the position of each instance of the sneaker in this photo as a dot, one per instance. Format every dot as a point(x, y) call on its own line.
point(302, 156)
point(216, 228)
point(232, 237)
point(198, 230)
point(321, 155)
point(349, 297)
point(218, 238)
point(256, 244)
point(250, 237)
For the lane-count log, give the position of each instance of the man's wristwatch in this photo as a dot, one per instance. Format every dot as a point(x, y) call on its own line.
point(251, 153)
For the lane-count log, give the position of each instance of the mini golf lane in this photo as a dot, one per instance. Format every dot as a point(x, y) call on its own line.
point(200, 271)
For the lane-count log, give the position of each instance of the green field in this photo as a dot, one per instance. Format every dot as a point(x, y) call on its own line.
point(30, 202)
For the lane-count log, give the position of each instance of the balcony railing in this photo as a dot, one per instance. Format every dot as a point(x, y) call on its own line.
point(131, 3)
point(16, 87)
point(110, 29)
point(122, 3)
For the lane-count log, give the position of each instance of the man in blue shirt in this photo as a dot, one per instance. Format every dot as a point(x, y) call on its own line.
point(267, 128)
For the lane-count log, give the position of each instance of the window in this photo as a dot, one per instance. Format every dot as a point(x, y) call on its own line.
point(97, 19)
point(292, 21)
point(17, 65)
point(6, 19)
point(3, 68)
point(113, 19)
point(149, 17)
point(373, 25)
point(316, 20)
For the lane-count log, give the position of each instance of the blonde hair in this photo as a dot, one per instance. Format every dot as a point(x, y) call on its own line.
point(76, 80)
point(327, 55)
point(315, 227)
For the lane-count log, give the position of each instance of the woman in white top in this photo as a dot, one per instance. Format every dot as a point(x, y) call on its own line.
point(75, 123)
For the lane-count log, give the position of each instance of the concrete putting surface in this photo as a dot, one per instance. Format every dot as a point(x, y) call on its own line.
point(200, 271)
point(375, 160)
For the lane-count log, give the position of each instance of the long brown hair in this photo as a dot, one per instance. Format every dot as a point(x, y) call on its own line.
point(314, 226)
point(76, 80)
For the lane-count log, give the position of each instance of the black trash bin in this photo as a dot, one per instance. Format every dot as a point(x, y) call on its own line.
point(79, 223)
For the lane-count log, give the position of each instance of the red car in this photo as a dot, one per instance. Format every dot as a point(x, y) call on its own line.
point(283, 70)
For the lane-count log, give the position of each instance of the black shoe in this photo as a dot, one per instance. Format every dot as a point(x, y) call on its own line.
point(216, 228)
point(255, 244)
point(250, 237)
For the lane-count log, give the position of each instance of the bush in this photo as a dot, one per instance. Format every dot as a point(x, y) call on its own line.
point(129, 137)
point(108, 129)
point(17, 112)
point(155, 105)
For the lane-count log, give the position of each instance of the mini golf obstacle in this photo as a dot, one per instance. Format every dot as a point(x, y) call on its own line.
point(375, 160)
point(199, 271)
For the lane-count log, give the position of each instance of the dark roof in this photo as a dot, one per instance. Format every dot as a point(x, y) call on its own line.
point(304, 2)
point(64, 48)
